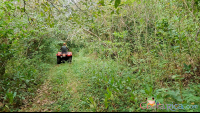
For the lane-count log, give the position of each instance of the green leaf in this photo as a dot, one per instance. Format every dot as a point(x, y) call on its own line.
point(112, 12)
point(117, 2)
point(129, 1)
point(102, 2)
point(15, 93)
point(106, 103)
point(91, 100)
point(174, 76)
point(42, 14)
point(117, 11)
point(185, 65)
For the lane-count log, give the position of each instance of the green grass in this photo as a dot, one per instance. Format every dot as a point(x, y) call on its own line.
point(149, 49)
point(93, 84)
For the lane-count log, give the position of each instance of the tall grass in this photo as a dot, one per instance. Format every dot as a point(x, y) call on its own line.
point(142, 49)
point(107, 85)
point(155, 42)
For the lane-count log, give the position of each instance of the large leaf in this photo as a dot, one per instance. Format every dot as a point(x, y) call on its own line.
point(102, 2)
point(117, 2)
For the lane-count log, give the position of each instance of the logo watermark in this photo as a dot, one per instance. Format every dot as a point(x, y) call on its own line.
point(172, 107)
point(153, 104)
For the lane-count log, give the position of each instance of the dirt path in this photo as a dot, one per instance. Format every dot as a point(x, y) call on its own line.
point(58, 93)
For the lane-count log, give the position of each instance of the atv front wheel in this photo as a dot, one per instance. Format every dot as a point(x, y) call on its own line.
point(58, 60)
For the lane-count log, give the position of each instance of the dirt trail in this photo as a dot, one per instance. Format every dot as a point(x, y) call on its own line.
point(40, 99)
point(60, 87)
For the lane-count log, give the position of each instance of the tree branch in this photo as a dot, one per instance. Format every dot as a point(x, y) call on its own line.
point(78, 7)
point(188, 8)
point(55, 6)
point(25, 11)
point(92, 34)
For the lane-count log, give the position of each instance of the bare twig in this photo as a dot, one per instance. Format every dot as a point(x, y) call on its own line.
point(194, 19)
point(188, 8)
point(54, 6)
point(60, 5)
point(190, 11)
point(92, 34)
point(79, 7)
point(76, 5)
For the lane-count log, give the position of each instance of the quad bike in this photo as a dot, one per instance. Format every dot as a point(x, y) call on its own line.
point(64, 57)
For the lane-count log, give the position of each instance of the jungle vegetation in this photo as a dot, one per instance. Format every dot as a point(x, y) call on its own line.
point(123, 51)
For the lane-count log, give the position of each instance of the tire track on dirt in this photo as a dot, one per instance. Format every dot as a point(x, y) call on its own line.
point(52, 91)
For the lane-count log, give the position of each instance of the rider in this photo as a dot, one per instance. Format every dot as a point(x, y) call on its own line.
point(64, 48)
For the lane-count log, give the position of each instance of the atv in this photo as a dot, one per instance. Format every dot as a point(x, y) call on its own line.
point(64, 57)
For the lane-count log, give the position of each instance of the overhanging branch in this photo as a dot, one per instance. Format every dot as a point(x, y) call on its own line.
point(92, 34)
point(54, 6)
point(78, 7)
point(25, 11)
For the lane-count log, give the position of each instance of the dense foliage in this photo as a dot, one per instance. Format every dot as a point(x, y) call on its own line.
point(143, 48)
